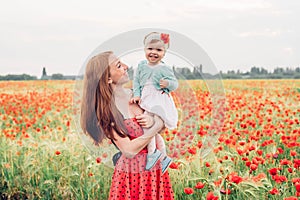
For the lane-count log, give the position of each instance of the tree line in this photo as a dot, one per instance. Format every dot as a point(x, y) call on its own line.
point(184, 73)
point(17, 77)
point(261, 73)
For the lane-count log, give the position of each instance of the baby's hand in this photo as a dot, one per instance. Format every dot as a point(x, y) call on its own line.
point(145, 120)
point(136, 100)
point(163, 83)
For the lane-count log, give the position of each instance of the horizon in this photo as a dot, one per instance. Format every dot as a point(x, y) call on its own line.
point(224, 72)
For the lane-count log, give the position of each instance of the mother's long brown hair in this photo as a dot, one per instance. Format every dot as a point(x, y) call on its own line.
point(99, 114)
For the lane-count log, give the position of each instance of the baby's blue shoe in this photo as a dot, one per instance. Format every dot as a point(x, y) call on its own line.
point(165, 163)
point(152, 159)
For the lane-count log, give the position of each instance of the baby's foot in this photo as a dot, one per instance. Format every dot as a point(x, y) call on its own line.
point(152, 159)
point(165, 163)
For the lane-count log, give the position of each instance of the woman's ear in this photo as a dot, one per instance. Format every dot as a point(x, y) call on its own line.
point(110, 81)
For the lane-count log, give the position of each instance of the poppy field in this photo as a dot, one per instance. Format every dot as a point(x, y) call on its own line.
point(254, 152)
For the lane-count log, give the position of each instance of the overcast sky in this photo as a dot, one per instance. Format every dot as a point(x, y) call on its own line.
point(60, 35)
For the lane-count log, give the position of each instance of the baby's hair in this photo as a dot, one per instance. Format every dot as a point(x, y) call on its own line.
point(154, 37)
point(149, 35)
point(154, 41)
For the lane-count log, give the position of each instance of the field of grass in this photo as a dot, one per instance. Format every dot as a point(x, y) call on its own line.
point(254, 152)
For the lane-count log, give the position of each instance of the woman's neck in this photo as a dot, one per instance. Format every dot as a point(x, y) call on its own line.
point(122, 98)
point(120, 92)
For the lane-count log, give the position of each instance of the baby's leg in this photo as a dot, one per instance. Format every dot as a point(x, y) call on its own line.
point(160, 143)
point(165, 160)
point(153, 154)
point(151, 146)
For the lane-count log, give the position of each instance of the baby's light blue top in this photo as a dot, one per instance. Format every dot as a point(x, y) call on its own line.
point(145, 72)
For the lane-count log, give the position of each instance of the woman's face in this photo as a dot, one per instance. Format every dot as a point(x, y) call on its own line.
point(118, 70)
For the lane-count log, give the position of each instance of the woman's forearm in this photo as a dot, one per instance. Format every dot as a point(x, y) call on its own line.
point(132, 147)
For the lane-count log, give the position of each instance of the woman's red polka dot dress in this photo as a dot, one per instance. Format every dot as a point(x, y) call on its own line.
point(130, 179)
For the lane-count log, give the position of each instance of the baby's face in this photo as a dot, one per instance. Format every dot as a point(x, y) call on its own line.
point(154, 52)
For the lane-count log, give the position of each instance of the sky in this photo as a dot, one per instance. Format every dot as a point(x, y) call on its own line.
point(60, 35)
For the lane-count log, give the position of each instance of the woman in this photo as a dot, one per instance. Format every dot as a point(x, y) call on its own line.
point(106, 112)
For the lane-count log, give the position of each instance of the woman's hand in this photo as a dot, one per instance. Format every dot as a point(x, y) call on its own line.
point(131, 147)
point(145, 120)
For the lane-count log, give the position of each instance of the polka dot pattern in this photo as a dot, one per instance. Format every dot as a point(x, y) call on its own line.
point(131, 181)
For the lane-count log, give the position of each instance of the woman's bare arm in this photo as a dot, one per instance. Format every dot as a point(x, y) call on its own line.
point(131, 147)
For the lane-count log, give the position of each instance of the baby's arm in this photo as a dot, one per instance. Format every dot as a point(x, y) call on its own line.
point(163, 83)
point(172, 80)
point(169, 81)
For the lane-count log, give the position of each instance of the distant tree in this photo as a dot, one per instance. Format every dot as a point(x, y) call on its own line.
point(263, 71)
point(254, 70)
point(57, 77)
point(288, 71)
point(278, 70)
point(186, 73)
point(44, 72)
point(197, 70)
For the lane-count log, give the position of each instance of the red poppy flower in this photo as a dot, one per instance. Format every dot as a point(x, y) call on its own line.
point(279, 178)
point(291, 198)
point(174, 165)
point(274, 191)
point(188, 190)
point(295, 180)
point(199, 185)
point(253, 167)
point(297, 186)
point(218, 182)
point(235, 178)
point(285, 162)
point(98, 160)
point(211, 196)
point(207, 164)
point(259, 152)
point(192, 150)
point(104, 155)
point(227, 191)
point(297, 163)
point(293, 153)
